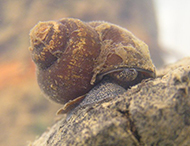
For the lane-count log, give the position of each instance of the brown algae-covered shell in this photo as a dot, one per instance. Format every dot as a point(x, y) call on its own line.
point(71, 56)
point(64, 53)
point(121, 49)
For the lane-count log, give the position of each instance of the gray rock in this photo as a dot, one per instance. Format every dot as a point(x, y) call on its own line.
point(154, 112)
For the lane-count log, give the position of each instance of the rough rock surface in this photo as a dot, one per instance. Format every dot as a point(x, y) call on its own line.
point(154, 112)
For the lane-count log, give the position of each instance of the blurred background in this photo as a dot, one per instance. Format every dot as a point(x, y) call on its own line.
point(25, 113)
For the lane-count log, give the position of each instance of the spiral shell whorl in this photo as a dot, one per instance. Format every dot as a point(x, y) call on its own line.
point(64, 53)
point(47, 43)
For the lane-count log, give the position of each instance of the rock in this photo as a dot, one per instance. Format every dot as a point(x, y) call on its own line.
point(154, 112)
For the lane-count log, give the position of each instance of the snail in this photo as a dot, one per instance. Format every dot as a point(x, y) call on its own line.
point(73, 56)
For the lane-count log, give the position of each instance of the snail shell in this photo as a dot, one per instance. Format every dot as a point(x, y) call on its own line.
point(72, 56)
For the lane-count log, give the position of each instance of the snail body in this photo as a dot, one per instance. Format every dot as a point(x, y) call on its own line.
point(73, 56)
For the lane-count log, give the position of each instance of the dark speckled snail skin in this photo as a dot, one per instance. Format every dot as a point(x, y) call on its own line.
point(73, 56)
